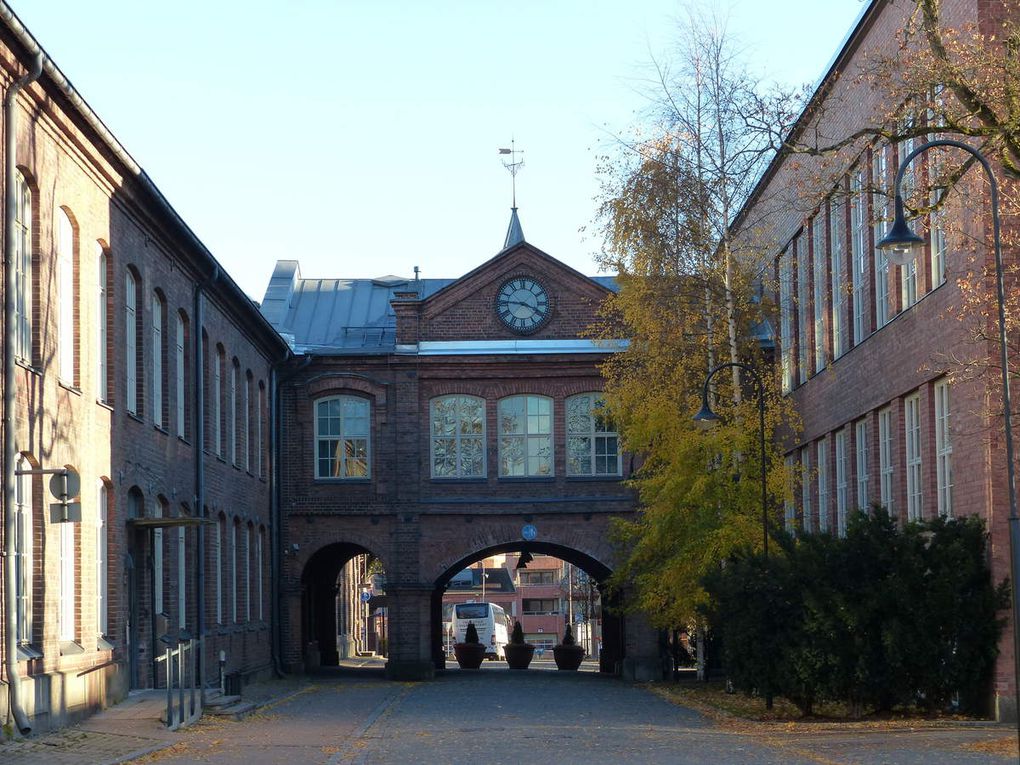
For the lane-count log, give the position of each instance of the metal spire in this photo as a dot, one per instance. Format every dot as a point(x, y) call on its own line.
point(513, 166)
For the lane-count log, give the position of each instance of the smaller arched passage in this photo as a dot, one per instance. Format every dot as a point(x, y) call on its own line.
point(613, 635)
point(336, 622)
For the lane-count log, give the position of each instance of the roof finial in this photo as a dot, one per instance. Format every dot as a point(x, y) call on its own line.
point(513, 166)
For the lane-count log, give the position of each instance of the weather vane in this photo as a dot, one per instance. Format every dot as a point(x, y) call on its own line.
point(513, 165)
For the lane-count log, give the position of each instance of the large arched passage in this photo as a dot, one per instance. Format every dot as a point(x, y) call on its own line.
point(343, 611)
point(613, 635)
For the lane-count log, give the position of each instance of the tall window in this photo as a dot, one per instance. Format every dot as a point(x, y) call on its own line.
point(102, 326)
point(458, 436)
point(260, 571)
point(820, 257)
point(67, 263)
point(247, 572)
point(24, 578)
point(593, 445)
point(943, 450)
point(181, 381)
point(803, 303)
point(805, 489)
point(908, 272)
point(68, 567)
point(158, 379)
point(157, 559)
point(182, 578)
point(102, 561)
point(525, 436)
point(859, 254)
point(786, 318)
point(342, 437)
point(23, 283)
point(247, 421)
point(837, 243)
point(823, 484)
point(217, 399)
point(912, 428)
point(842, 480)
point(885, 459)
point(880, 212)
point(259, 446)
point(233, 570)
point(789, 508)
point(132, 346)
point(861, 447)
point(221, 533)
point(232, 433)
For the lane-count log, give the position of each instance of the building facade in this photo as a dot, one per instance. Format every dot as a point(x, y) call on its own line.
point(138, 365)
point(870, 353)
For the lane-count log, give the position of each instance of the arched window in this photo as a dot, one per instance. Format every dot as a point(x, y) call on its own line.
point(217, 398)
point(342, 437)
point(457, 440)
point(247, 420)
point(102, 324)
point(525, 437)
point(233, 569)
point(68, 576)
point(23, 282)
point(593, 445)
point(158, 359)
point(247, 571)
point(260, 569)
point(67, 265)
point(132, 341)
point(182, 370)
point(24, 580)
point(221, 535)
point(260, 462)
point(182, 576)
point(158, 511)
point(235, 369)
point(102, 561)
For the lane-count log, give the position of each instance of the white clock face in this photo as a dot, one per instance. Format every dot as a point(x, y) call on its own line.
point(522, 304)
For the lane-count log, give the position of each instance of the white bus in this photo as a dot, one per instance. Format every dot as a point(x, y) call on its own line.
point(491, 622)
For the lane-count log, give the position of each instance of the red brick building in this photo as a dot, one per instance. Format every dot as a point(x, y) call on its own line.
point(431, 423)
point(866, 349)
point(139, 364)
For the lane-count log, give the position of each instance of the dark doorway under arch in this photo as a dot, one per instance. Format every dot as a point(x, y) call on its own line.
point(611, 655)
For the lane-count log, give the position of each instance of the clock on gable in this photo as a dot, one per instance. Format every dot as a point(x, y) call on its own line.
point(522, 304)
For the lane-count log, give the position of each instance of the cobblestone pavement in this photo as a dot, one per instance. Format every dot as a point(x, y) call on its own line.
point(494, 716)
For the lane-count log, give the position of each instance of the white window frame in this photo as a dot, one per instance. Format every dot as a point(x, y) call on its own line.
point(823, 485)
point(102, 561)
point(232, 430)
point(182, 577)
point(597, 440)
point(886, 467)
point(943, 449)
point(908, 271)
point(537, 444)
point(158, 311)
point(180, 379)
point(837, 248)
point(819, 281)
point(260, 570)
point(859, 254)
point(102, 328)
point(24, 294)
point(347, 433)
point(24, 540)
point(66, 325)
point(233, 570)
point(861, 447)
point(258, 430)
point(458, 438)
point(247, 572)
point(157, 560)
point(880, 207)
point(912, 440)
point(803, 277)
point(939, 245)
point(131, 341)
point(247, 422)
point(789, 506)
point(68, 565)
point(842, 479)
point(217, 400)
point(221, 523)
point(805, 490)
point(786, 317)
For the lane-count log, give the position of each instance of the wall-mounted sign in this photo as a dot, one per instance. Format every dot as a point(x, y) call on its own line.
point(529, 532)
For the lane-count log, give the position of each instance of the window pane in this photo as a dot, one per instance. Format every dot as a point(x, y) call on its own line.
point(472, 457)
point(444, 457)
point(472, 414)
point(579, 415)
point(511, 456)
point(579, 456)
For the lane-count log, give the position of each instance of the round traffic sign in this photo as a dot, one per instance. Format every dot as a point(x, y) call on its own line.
point(529, 532)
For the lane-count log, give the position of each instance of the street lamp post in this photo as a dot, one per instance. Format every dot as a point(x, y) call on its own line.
point(708, 417)
point(902, 246)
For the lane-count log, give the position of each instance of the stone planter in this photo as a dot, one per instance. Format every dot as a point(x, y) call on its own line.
point(518, 655)
point(568, 657)
point(469, 655)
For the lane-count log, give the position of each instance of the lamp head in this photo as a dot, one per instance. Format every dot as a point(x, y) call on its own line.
point(706, 418)
point(523, 561)
point(900, 244)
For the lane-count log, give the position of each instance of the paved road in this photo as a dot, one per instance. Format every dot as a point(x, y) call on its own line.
point(497, 716)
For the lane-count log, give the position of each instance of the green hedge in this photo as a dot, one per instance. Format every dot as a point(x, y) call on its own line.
point(886, 616)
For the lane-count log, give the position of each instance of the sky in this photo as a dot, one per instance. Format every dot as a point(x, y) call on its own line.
point(361, 137)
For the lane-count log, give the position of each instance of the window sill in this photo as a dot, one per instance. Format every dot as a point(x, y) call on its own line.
point(184, 440)
point(104, 404)
point(527, 478)
point(28, 653)
point(69, 387)
point(336, 481)
point(161, 429)
point(458, 479)
point(590, 478)
point(29, 368)
point(134, 416)
point(219, 458)
point(70, 648)
point(102, 644)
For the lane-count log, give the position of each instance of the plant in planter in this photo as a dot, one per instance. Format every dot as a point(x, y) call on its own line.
point(518, 653)
point(568, 654)
point(471, 653)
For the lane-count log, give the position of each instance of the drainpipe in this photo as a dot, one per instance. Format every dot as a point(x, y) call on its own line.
point(198, 311)
point(10, 340)
point(275, 562)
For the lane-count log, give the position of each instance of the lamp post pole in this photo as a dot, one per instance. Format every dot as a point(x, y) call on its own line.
point(902, 245)
point(706, 415)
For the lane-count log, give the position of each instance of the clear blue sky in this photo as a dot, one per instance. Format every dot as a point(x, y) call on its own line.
point(360, 137)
